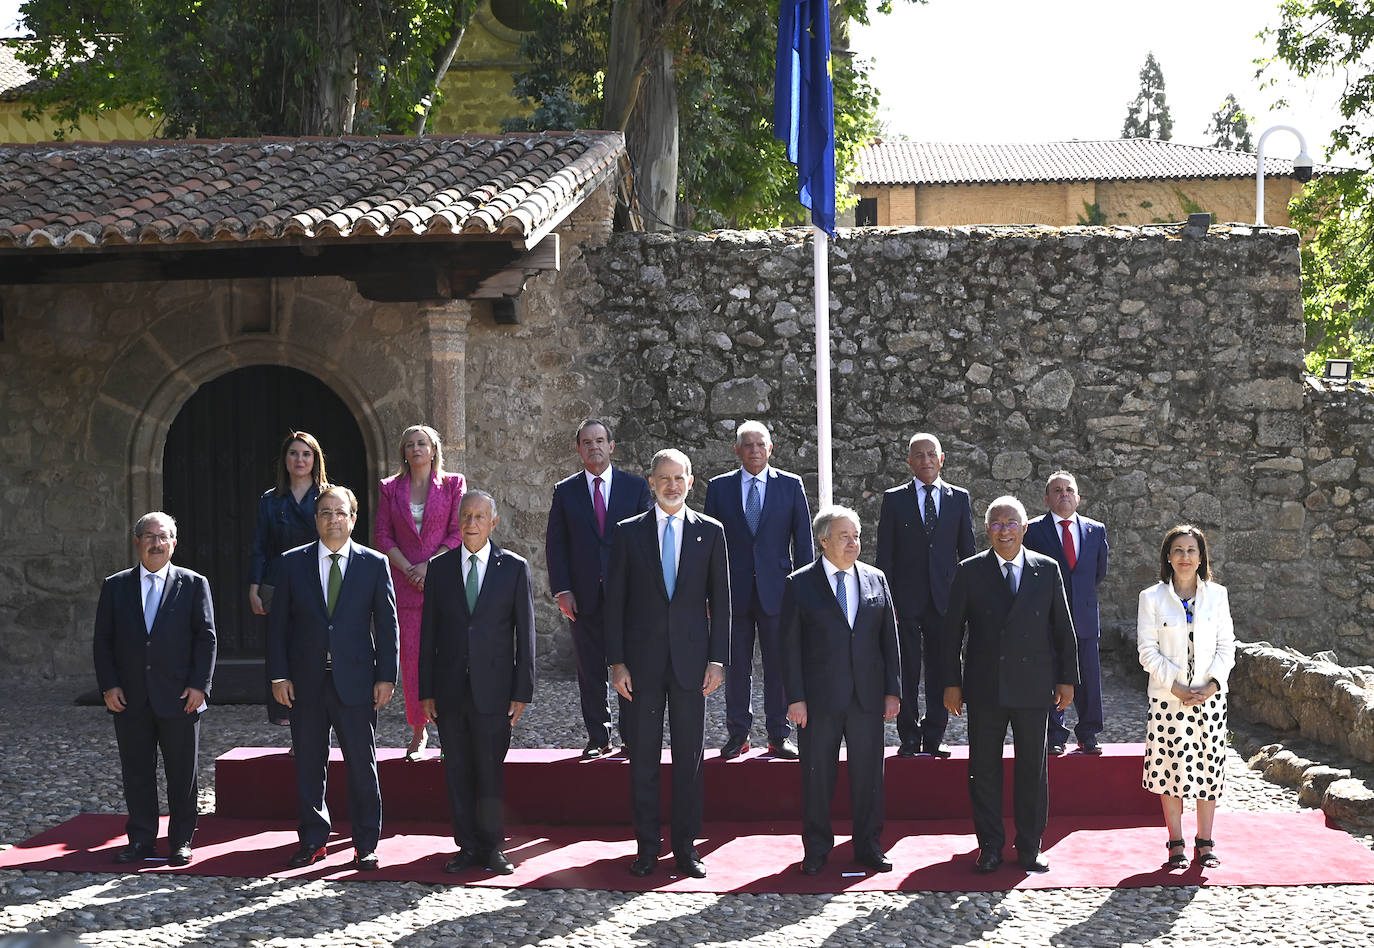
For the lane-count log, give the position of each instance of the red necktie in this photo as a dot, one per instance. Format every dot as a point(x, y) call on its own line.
point(599, 506)
point(1066, 535)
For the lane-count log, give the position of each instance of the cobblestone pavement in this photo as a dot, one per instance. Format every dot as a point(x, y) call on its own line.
point(60, 760)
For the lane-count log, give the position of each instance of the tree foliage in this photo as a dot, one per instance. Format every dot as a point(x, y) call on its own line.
point(1324, 38)
point(1230, 127)
point(1147, 115)
point(223, 68)
point(731, 170)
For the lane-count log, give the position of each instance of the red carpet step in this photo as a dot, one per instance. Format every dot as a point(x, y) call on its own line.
point(557, 788)
point(1099, 851)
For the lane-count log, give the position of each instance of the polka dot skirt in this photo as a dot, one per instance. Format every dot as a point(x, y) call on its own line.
point(1185, 748)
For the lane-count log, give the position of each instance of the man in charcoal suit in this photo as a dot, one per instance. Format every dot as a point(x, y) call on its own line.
point(1079, 545)
point(476, 676)
point(924, 529)
point(843, 678)
point(577, 550)
point(668, 640)
point(1009, 619)
point(154, 647)
point(768, 532)
point(332, 658)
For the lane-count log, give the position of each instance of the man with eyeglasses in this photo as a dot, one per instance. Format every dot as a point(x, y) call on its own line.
point(332, 651)
point(1009, 618)
point(154, 647)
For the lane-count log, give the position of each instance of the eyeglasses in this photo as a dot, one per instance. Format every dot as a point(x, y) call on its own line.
point(155, 537)
point(1000, 525)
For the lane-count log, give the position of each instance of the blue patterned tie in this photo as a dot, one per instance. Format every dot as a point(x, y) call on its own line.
point(753, 507)
point(842, 594)
point(669, 554)
point(930, 516)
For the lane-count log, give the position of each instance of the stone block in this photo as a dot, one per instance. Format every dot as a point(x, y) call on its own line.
point(1286, 768)
point(1316, 780)
point(740, 397)
point(1349, 802)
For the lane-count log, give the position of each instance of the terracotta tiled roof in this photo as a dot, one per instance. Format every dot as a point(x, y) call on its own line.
point(1128, 159)
point(85, 195)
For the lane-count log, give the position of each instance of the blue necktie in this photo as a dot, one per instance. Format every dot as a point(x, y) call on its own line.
point(753, 507)
point(150, 604)
point(1011, 578)
point(842, 595)
point(669, 558)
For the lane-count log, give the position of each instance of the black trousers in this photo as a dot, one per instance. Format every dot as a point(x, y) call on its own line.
point(589, 649)
point(140, 734)
point(819, 743)
point(920, 639)
point(987, 732)
point(356, 727)
point(745, 628)
point(475, 746)
point(655, 693)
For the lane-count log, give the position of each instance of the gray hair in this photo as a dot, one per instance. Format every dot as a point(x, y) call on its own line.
point(1006, 500)
point(671, 454)
point(156, 515)
point(480, 495)
point(924, 436)
point(756, 426)
point(828, 514)
point(1061, 476)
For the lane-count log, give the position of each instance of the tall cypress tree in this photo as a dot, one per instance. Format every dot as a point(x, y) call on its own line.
point(1147, 116)
point(1230, 127)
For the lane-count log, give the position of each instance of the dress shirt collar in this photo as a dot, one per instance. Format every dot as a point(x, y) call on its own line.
point(762, 475)
point(662, 515)
point(831, 569)
point(605, 476)
point(1019, 562)
point(346, 550)
point(161, 574)
point(482, 555)
point(938, 484)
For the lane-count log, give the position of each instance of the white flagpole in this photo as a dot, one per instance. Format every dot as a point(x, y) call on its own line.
point(820, 265)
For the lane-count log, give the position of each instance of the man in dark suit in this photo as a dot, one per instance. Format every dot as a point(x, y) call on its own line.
point(843, 673)
point(668, 640)
point(332, 657)
point(577, 550)
point(924, 529)
point(476, 675)
point(1079, 545)
point(154, 646)
point(768, 533)
point(1009, 617)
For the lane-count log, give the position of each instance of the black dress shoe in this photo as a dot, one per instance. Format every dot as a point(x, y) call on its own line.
point(461, 860)
point(1033, 862)
point(1057, 750)
point(785, 749)
point(734, 747)
point(305, 856)
point(691, 866)
point(181, 855)
point(593, 750)
point(938, 750)
point(365, 862)
point(909, 750)
point(499, 864)
point(1090, 746)
point(988, 861)
point(135, 852)
point(643, 865)
point(811, 865)
point(878, 862)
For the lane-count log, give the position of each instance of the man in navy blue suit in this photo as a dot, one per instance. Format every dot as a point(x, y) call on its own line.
point(332, 657)
point(924, 530)
point(577, 550)
point(476, 676)
point(154, 647)
point(668, 641)
point(768, 533)
point(1080, 545)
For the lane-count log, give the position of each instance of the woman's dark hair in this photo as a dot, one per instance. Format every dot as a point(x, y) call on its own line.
point(317, 473)
point(1204, 567)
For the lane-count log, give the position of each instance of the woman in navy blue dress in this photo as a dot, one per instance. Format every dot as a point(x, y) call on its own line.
point(286, 519)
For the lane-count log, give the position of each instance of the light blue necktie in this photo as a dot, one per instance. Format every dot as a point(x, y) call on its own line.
point(150, 604)
point(669, 554)
point(753, 507)
point(842, 594)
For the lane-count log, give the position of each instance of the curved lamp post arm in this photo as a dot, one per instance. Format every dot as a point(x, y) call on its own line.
point(1303, 157)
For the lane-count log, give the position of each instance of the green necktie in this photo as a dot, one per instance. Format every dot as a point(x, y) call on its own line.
point(472, 582)
point(335, 582)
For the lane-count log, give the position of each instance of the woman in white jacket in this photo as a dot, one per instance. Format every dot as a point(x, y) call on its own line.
point(1187, 645)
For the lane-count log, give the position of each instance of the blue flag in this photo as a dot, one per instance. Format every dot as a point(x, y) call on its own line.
point(804, 105)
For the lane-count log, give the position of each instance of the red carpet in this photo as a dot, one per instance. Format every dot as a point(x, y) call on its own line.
point(555, 787)
point(752, 857)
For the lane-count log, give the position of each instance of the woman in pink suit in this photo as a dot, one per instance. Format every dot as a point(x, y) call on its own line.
point(417, 519)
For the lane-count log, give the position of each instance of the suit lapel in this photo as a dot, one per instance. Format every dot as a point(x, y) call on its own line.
point(826, 591)
point(315, 584)
point(649, 543)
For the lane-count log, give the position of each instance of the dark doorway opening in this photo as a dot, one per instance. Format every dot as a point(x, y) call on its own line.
point(221, 455)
